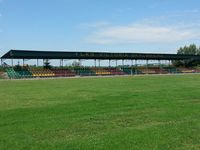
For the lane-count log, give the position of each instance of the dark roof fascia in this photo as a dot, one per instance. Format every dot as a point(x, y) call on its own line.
point(34, 54)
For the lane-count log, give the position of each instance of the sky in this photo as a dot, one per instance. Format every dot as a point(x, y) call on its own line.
point(158, 26)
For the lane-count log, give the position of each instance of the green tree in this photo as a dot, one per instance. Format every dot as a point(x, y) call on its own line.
point(189, 50)
point(47, 64)
point(192, 49)
point(76, 63)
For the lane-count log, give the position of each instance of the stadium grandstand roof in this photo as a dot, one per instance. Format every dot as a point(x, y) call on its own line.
point(33, 54)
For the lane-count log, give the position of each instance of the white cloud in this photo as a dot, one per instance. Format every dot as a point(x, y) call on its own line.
point(170, 28)
point(141, 33)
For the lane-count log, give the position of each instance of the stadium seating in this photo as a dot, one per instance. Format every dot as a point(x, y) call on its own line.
point(23, 72)
point(197, 71)
point(186, 70)
point(40, 72)
point(129, 71)
point(147, 71)
point(12, 74)
point(150, 71)
point(26, 72)
point(100, 71)
point(171, 70)
point(84, 72)
point(62, 72)
point(16, 73)
point(158, 70)
point(115, 71)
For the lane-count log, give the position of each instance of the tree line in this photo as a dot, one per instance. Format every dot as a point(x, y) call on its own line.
point(192, 49)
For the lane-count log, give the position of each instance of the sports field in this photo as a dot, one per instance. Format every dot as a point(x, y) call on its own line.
point(120, 113)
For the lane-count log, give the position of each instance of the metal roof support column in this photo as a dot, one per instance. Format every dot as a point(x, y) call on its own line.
point(147, 68)
point(80, 62)
point(12, 62)
point(169, 70)
point(123, 62)
point(37, 62)
point(116, 63)
point(109, 63)
point(99, 62)
point(95, 63)
point(131, 66)
point(136, 71)
point(159, 65)
point(60, 62)
point(23, 62)
point(170, 62)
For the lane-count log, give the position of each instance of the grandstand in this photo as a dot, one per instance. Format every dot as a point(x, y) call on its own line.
point(24, 71)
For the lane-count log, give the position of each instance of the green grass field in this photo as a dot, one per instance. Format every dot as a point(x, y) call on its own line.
point(149, 112)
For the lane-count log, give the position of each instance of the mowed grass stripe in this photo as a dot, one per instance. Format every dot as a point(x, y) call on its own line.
point(149, 112)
